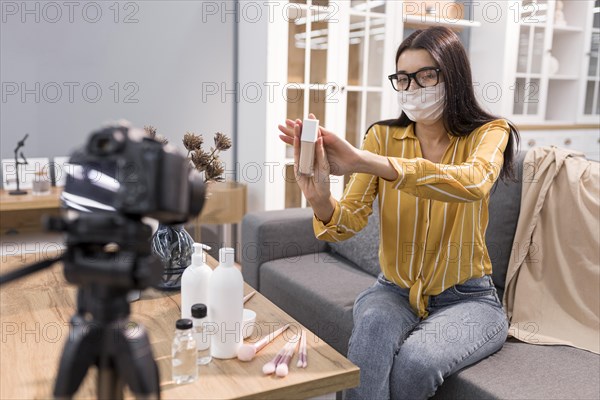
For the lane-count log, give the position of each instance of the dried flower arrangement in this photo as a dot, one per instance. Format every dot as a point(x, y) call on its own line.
point(173, 244)
point(206, 162)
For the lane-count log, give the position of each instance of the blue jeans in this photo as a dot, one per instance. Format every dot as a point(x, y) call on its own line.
point(403, 357)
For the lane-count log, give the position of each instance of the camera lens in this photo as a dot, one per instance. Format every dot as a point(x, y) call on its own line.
point(107, 141)
point(102, 144)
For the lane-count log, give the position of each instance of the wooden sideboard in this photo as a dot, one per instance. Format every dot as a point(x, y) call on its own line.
point(24, 213)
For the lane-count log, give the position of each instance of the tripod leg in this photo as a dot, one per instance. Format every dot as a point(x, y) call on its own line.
point(79, 353)
point(134, 361)
point(110, 386)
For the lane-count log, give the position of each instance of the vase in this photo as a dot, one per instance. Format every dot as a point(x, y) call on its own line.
point(174, 245)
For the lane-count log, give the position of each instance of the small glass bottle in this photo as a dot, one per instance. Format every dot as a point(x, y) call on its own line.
point(199, 312)
point(183, 353)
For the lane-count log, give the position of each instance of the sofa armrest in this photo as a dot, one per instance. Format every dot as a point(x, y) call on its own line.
point(270, 235)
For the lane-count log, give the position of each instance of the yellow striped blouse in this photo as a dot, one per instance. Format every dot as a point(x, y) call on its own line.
point(433, 217)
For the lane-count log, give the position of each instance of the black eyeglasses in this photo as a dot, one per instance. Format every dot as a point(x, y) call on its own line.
point(425, 77)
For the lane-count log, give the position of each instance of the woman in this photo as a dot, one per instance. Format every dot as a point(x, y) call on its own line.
point(434, 308)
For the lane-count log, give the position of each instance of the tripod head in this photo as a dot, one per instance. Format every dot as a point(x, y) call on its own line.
point(108, 249)
point(107, 269)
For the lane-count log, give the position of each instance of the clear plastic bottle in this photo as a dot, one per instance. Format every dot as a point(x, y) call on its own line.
point(199, 312)
point(184, 353)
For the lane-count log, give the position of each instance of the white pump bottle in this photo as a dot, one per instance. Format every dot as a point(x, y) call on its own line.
point(195, 281)
point(226, 306)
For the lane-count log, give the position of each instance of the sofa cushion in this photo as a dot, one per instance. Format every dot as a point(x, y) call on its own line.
point(363, 248)
point(527, 371)
point(318, 290)
point(276, 234)
point(505, 203)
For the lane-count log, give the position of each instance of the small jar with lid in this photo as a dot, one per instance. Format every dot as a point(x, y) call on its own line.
point(184, 353)
point(199, 312)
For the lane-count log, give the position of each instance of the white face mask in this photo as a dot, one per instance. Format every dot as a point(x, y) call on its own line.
point(424, 104)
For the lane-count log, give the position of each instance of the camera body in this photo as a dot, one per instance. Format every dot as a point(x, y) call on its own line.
point(123, 170)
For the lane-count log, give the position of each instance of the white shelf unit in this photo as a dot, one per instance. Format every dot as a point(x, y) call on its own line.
point(589, 103)
point(347, 62)
point(516, 81)
point(425, 21)
point(564, 77)
point(566, 28)
point(546, 69)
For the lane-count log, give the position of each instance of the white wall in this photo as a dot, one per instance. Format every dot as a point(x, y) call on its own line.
point(487, 56)
point(252, 115)
point(168, 54)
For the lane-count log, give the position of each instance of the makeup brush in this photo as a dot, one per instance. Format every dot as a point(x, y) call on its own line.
point(246, 352)
point(271, 366)
point(249, 296)
point(302, 363)
point(283, 366)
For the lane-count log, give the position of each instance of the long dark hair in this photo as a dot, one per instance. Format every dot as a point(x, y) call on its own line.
point(462, 113)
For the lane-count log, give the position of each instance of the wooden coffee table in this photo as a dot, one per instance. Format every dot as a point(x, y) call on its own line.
point(35, 313)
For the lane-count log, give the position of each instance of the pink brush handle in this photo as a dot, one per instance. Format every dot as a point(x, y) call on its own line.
point(287, 357)
point(279, 355)
point(303, 349)
point(249, 296)
point(269, 338)
point(277, 359)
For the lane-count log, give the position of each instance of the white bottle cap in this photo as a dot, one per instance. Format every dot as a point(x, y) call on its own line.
point(199, 257)
point(226, 256)
point(310, 130)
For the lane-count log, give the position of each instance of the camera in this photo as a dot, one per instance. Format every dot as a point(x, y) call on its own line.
point(119, 176)
point(123, 170)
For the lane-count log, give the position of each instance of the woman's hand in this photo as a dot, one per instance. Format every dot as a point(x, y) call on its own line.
point(316, 188)
point(343, 158)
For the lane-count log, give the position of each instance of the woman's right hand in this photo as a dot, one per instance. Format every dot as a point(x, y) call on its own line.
point(316, 188)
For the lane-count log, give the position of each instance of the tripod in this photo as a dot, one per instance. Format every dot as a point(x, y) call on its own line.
point(107, 256)
point(120, 356)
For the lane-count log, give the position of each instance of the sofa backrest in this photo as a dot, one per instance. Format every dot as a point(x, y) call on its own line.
point(363, 248)
point(504, 207)
point(505, 203)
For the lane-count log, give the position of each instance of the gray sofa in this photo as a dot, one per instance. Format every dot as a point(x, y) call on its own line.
point(316, 283)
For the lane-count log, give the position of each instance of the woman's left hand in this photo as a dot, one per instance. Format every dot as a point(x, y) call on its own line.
point(342, 156)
